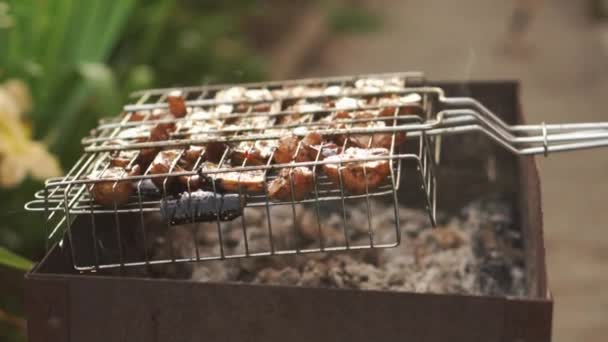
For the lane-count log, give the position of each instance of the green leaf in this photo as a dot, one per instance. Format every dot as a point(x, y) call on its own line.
point(95, 83)
point(13, 260)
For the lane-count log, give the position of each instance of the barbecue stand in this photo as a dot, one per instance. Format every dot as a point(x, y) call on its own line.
point(64, 304)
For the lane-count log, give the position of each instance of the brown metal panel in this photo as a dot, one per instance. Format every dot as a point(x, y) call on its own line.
point(106, 309)
point(46, 304)
point(528, 320)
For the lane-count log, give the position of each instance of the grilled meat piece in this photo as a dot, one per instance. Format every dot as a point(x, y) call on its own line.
point(165, 162)
point(408, 105)
point(214, 151)
point(287, 148)
point(288, 145)
point(138, 116)
point(110, 193)
point(379, 84)
point(177, 104)
point(123, 158)
point(200, 206)
point(300, 177)
point(303, 111)
point(327, 149)
point(355, 175)
point(162, 131)
point(254, 153)
point(247, 181)
point(382, 140)
point(192, 154)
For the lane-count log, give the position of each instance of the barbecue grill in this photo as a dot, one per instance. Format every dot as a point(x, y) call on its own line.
point(89, 285)
point(260, 113)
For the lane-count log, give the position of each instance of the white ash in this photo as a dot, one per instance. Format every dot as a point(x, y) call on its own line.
point(475, 252)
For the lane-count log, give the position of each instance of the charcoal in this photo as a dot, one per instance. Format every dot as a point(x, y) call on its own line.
point(476, 251)
point(201, 206)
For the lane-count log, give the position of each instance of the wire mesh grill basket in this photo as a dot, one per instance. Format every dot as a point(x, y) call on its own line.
point(211, 157)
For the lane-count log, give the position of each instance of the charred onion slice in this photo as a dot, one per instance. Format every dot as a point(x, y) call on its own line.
point(355, 175)
point(300, 177)
point(108, 193)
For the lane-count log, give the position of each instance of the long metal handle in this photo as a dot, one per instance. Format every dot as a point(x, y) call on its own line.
point(520, 139)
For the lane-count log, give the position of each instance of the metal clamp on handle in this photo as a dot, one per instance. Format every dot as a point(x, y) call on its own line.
point(545, 140)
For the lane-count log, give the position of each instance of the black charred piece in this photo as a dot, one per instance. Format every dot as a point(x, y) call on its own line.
point(201, 206)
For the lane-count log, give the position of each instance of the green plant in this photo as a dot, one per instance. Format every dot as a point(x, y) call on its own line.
point(81, 58)
point(353, 19)
point(10, 259)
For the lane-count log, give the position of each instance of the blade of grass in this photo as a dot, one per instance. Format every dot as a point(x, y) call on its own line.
point(10, 259)
point(115, 24)
point(96, 82)
point(158, 16)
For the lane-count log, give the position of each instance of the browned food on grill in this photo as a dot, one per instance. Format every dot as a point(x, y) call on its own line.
point(408, 104)
point(300, 112)
point(214, 151)
point(251, 182)
point(286, 149)
point(210, 153)
point(288, 146)
point(165, 162)
point(193, 153)
point(110, 193)
point(263, 107)
point(139, 115)
point(301, 178)
point(160, 132)
point(242, 181)
point(124, 158)
point(327, 149)
point(177, 104)
point(364, 120)
point(355, 175)
point(252, 153)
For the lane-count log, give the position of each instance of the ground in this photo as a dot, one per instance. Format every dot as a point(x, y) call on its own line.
point(564, 78)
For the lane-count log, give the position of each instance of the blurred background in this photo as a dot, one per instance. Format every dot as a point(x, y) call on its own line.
point(66, 63)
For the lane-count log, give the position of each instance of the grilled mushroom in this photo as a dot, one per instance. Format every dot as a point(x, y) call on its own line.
point(177, 104)
point(355, 175)
point(300, 177)
point(110, 193)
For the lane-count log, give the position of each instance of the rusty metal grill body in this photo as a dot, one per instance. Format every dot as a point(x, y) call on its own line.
point(424, 116)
